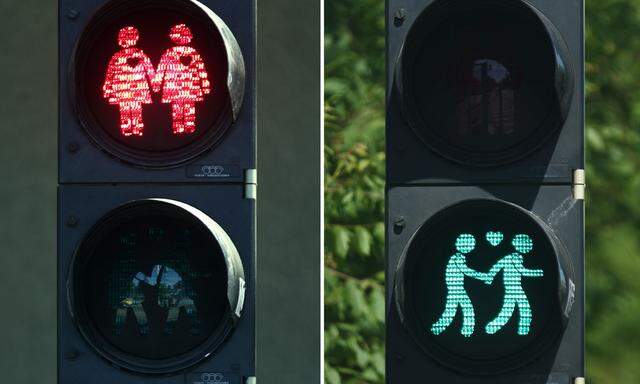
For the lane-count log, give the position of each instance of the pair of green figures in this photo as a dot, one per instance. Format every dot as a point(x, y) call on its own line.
point(512, 266)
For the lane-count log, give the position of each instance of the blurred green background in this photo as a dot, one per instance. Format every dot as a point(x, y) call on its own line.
point(354, 191)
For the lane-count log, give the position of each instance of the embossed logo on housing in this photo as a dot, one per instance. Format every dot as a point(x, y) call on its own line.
point(213, 378)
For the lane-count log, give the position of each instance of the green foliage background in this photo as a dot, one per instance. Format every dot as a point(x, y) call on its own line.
point(354, 191)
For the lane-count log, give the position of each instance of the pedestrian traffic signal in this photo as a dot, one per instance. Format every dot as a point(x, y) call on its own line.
point(484, 91)
point(155, 84)
point(171, 67)
point(156, 285)
point(157, 192)
point(481, 274)
point(475, 97)
point(485, 161)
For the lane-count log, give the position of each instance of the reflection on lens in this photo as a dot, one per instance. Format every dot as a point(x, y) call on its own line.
point(485, 96)
point(479, 80)
point(151, 284)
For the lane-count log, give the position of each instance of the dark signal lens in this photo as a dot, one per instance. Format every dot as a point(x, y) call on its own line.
point(151, 286)
point(480, 80)
point(152, 80)
point(158, 287)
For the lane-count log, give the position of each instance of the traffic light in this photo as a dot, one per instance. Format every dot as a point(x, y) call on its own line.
point(485, 189)
point(157, 174)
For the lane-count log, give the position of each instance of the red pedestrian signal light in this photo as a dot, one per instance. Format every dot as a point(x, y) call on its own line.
point(157, 83)
point(181, 77)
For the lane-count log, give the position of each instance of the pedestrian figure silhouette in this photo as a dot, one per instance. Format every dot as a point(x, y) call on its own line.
point(172, 295)
point(513, 269)
point(129, 74)
point(457, 296)
point(183, 79)
point(131, 298)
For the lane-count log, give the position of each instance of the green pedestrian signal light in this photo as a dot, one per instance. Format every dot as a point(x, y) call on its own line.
point(484, 285)
point(514, 296)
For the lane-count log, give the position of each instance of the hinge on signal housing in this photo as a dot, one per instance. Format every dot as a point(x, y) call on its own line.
point(250, 184)
point(579, 184)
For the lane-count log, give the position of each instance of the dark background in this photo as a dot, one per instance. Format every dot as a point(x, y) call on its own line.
point(288, 197)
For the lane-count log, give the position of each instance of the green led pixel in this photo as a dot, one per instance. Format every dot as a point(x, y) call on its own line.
point(457, 296)
point(513, 270)
point(494, 238)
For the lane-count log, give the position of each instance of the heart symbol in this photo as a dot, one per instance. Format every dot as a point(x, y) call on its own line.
point(133, 62)
point(186, 60)
point(494, 238)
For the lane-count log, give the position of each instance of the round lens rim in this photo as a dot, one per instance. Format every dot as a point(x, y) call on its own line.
point(410, 319)
point(84, 252)
point(234, 88)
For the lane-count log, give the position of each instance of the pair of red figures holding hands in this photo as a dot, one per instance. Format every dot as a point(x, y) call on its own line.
point(181, 76)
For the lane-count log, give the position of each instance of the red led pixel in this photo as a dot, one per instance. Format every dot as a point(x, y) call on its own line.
point(127, 82)
point(181, 77)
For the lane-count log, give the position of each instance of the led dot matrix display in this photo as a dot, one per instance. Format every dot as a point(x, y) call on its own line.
point(479, 274)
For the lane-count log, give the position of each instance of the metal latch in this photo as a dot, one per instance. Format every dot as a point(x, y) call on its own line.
point(579, 184)
point(250, 184)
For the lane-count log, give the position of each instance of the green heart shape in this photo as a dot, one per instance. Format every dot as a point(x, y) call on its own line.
point(494, 238)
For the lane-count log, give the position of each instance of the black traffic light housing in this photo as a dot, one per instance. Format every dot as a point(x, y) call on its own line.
point(165, 207)
point(432, 44)
point(408, 358)
point(84, 354)
point(485, 104)
point(228, 146)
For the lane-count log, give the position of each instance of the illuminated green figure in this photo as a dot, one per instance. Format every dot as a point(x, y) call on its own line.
point(513, 270)
point(457, 296)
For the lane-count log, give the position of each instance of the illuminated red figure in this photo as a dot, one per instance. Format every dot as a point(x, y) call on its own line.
point(182, 77)
point(127, 82)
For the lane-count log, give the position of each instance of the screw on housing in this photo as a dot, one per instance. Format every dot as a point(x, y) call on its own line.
point(72, 354)
point(398, 225)
point(73, 147)
point(399, 17)
point(72, 14)
point(72, 222)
